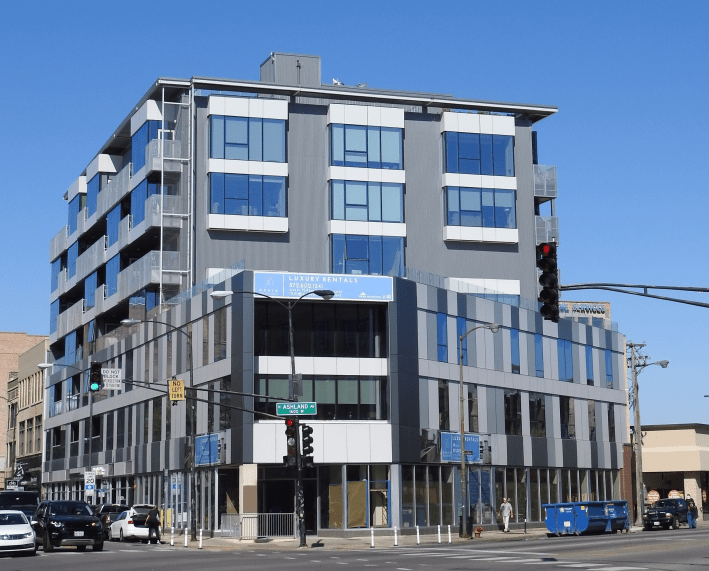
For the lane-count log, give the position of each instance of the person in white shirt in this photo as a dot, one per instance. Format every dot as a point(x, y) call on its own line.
point(506, 513)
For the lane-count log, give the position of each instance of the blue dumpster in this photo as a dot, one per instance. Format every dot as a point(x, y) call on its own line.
point(560, 519)
point(587, 517)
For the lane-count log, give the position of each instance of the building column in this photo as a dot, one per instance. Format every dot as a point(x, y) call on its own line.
point(693, 488)
point(248, 497)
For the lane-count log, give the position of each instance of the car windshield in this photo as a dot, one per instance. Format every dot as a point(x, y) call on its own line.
point(663, 504)
point(12, 519)
point(70, 508)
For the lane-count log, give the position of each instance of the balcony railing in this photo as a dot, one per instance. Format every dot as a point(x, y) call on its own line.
point(545, 185)
point(546, 229)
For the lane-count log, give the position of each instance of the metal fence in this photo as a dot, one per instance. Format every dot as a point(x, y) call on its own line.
point(253, 526)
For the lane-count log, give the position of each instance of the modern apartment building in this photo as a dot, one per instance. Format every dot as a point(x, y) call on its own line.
point(420, 211)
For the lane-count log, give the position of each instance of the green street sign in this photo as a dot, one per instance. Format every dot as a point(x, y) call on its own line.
point(296, 408)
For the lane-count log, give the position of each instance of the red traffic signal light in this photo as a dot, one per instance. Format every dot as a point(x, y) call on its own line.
point(549, 280)
point(291, 457)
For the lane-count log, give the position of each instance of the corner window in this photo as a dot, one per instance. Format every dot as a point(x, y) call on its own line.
point(75, 206)
point(514, 350)
point(53, 316)
point(140, 140)
point(248, 139)
point(56, 268)
point(138, 196)
point(480, 207)
point(566, 364)
point(247, 195)
point(366, 147)
point(442, 336)
point(589, 365)
point(609, 368)
point(367, 201)
point(92, 190)
point(539, 355)
point(72, 255)
point(373, 255)
point(474, 153)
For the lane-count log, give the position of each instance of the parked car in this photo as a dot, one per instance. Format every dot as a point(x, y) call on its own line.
point(62, 522)
point(26, 502)
point(131, 524)
point(16, 533)
point(108, 513)
point(670, 512)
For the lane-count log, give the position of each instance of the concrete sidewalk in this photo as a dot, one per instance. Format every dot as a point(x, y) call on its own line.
point(359, 542)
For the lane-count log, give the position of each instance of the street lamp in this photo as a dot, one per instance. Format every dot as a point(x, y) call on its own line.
point(327, 295)
point(637, 363)
point(193, 407)
point(494, 327)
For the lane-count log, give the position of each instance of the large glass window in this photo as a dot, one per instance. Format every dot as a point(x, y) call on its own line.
point(53, 316)
point(444, 413)
point(247, 195)
point(56, 268)
point(92, 190)
point(473, 153)
point(609, 368)
point(248, 139)
point(513, 412)
point(75, 206)
point(442, 336)
point(366, 147)
point(566, 363)
point(537, 415)
point(611, 422)
point(338, 398)
point(461, 329)
point(480, 207)
point(373, 255)
point(514, 350)
point(539, 355)
point(220, 334)
point(592, 420)
point(367, 201)
point(90, 285)
point(138, 196)
point(140, 140)
point(72, 255)
point(113, 219)
point(589, 365)
point(568, 417)
point(113, 267)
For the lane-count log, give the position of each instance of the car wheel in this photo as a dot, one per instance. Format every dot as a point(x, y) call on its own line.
point(675, 523)
point(98, 546)
point(120, 536)
point(48, 547)
point(81, 548)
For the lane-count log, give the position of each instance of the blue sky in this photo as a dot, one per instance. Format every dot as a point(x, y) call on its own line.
point(631, 81)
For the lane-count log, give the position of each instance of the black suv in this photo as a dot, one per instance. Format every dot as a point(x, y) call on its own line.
point(63, 522)
point(665, 513)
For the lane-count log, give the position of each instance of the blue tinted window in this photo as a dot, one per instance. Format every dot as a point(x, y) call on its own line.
point(53, 316)
point(366, 147)
point(480, 207)
point(247, 195)
point(566, 365)
point(70, 348)
point(113, 220)
point(442, 336)
point(113, 267)
point(72, 255)
point(74, 208)
point(247, 139)
point(140, 140)
point(539, 355)
point(138, 196)
point(609, 369)
point(373, 255)
point(461, 329)
point(92, 189)
point(90, 284)
point(472, 153)
point(589, 365)
point(514, 349)
point(373, 201)
point(56, 268)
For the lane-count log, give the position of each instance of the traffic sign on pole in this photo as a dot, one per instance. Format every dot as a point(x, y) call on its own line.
point(296, 408)
point(177, 389)
point(112, 379)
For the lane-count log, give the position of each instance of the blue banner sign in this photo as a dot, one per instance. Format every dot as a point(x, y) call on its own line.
point(450, 447)
point(208, 449)
point(345, 286)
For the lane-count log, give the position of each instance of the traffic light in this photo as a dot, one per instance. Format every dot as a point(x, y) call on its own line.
point(95, 378)
point(549, 280)
point(307, 445)
point(291, 457)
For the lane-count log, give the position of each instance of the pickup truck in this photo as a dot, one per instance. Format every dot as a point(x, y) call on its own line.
point(108, 513)
point(670, 512)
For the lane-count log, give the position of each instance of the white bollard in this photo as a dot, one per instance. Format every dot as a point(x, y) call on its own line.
point(200, 538)
point(187, 529)
point(172, 536)
point(372, 544)
point(396, 539)
point(439, 534)
point(418, 537)
point(450, 539)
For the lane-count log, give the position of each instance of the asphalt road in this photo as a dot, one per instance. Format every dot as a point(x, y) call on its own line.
point(672, 550)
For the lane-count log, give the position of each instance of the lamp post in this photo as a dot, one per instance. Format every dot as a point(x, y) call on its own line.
point(193, 409)
point(637, 363)
point(327, 295)
point(494, 327)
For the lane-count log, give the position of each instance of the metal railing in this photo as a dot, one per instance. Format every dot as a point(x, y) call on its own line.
point(253, 526)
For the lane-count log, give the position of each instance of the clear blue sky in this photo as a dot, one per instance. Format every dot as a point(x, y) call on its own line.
point(631, 81)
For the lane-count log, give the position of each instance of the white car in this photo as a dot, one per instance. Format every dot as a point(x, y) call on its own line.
point(16, 533)
point(131, 525)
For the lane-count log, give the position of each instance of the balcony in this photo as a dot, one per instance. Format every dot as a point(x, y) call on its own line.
point(546, 229)
point(91, 258)
point(58, 244)
point(69, 320)
point(173, 156)
point(545, 184)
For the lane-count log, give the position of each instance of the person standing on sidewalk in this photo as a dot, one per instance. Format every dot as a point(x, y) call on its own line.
point(506, 513)
point(153, 522)
point(691, 513)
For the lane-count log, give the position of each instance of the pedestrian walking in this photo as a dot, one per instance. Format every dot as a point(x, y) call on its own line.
point(692, 513)
point(506, 513)
point(153, 522)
